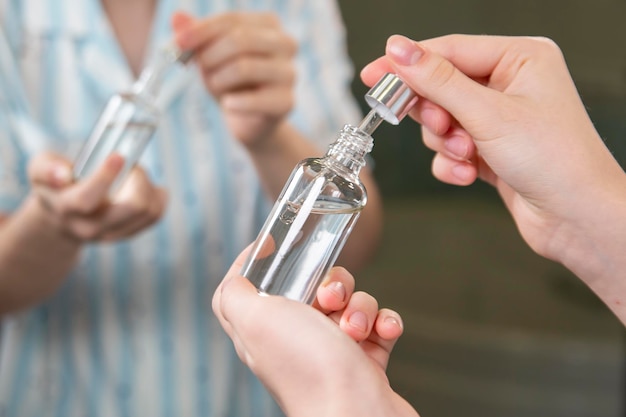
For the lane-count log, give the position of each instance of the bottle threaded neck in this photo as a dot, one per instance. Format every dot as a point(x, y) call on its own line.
point(350, 148)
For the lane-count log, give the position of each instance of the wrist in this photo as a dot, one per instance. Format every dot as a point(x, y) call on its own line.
point(591, 243)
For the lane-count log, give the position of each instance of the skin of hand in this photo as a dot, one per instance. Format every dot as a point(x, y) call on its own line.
point(247, 63)
point(506, 110)
point(329, 360)
point(83, 211)
point(42, 239)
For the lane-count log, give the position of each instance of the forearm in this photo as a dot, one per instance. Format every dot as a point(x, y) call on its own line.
point(35, 257)
point(594, 249)
point(275, 160)
point(276, 157)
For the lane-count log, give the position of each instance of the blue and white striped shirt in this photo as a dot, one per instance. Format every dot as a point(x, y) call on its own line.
point(131, 332)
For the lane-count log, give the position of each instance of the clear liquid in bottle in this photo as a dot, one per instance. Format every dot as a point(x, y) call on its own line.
point(320, 204)
point(308, 253)
point(125, 128)
point(129, 119)
point(311, 221)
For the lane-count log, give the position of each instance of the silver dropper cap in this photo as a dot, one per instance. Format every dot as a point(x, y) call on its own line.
point(391, 98)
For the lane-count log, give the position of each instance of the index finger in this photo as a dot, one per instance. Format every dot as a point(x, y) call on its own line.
point(437, 79)
point(335, 291)
point(203, 31)
point(477, 56)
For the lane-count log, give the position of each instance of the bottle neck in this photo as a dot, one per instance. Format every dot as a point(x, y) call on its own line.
point(149, 82)
point(350, 149)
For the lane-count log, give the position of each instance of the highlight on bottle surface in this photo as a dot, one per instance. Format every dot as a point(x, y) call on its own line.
point(320, 204)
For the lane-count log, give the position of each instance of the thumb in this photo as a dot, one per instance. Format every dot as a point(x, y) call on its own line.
point(50, 170)
point(437, 79)
point(241, 288)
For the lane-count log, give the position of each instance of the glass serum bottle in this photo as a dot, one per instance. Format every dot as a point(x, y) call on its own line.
point(320, 204)
point(128, 120)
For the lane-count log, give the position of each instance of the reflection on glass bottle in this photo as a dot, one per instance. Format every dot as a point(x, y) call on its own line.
point(311, 220)
point(320, 204)
point(128, 121)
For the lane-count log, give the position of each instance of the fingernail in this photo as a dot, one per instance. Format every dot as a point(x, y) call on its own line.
point(396, 321)
point(403, 51)
point(338, 289)
point(62, 174)
point(462, 171)
point(358, 320)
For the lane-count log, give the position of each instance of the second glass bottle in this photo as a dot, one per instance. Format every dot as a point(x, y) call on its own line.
point(129, 119)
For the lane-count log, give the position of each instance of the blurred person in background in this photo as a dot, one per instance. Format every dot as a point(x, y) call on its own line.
point(104, 300)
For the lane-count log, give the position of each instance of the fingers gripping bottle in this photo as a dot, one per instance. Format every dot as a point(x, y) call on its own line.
point(320, 204)
point(128, 120)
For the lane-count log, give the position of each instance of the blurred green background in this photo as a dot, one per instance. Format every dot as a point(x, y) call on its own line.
point(491, 329)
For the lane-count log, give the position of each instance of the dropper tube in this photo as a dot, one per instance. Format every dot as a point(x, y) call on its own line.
point(370, 122)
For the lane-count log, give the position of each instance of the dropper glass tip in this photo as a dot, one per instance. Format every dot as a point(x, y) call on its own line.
point(370, 122)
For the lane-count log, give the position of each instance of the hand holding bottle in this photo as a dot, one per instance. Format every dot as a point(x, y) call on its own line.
point(83, 211)
point(246, 61)
point(309, 362)
point(505, 109)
